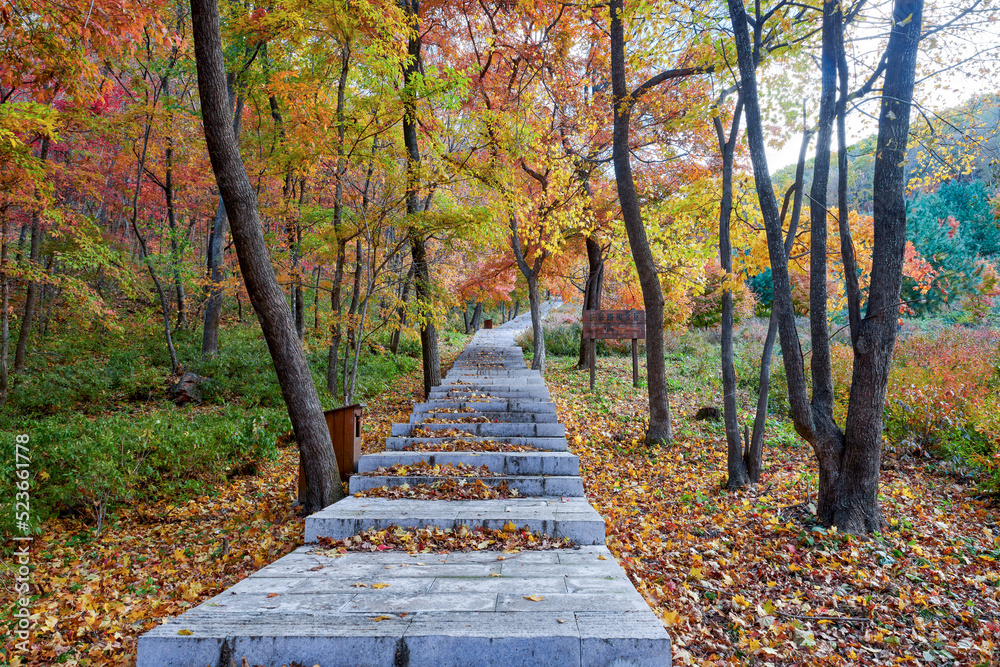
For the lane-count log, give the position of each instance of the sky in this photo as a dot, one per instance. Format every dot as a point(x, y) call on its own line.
point(936, 89)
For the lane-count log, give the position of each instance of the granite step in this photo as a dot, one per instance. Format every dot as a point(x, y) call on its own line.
point(491, 415)
point(492, 430)
point(508, 463)
point(464, 393)
point(498, 405)
point(527, 486)
point(395, 444)
point(437, 611)
point(559, 517)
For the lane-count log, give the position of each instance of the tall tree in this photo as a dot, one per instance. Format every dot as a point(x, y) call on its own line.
point(240, 199)
point(414, 204)
point(849, 460)
point(623, 101)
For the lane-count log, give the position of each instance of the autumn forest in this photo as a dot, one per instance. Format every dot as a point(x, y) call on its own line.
point(220, 218)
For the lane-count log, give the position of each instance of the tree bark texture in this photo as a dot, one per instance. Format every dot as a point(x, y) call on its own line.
point(652, 292)
point(4, 313)
point(738, 474)
point(30, 299)
point(848, 461)
point(217, 243)
point(266, 296)
point(856, 509)
point(591, 292)
point(418, 244)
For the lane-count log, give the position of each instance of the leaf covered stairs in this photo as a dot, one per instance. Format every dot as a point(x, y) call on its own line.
point(560, 607)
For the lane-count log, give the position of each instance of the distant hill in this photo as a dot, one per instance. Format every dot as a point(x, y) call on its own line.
point(933, 157)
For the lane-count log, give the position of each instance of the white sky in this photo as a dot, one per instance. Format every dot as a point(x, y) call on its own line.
point(936, 91)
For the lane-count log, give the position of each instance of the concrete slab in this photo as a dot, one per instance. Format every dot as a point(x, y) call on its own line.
point(525, 485)
point(455, 621)
point(560, 517)
point(507, 463)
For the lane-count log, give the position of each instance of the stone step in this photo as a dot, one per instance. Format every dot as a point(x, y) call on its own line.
point(478, 381)
point(494, 373)
point(491, 430)
point(541, 394)
point(508, 463)
point(526, 485)
point(446, 610)
point(395, 444)
point(498, 405)
point(559, 517)
point(492, 415)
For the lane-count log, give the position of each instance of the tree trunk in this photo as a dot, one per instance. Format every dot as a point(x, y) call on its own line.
point(353, 310)
point(144, 251)
point(465, 317)
point(538, 337)
point(755, 453)
point(856, 509)
point(336, 308)
point(428, 332)
point(4, 313)
point(848, 461)
point(168, 194)
point(418, 248)
point(297, 388)
point(659, 430)
point(530, 274)
point(591, 292)
point(477, 314)
point(216, 244)
point(736, 450)
point(394, 340)
point(319, 272)
point(20, 353)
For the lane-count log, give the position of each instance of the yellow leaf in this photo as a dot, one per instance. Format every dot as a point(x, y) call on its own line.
point(383, 617)
point(534, 598)
point(670, 617)
point(185, 632)
point(601, 557)
point(380, 585)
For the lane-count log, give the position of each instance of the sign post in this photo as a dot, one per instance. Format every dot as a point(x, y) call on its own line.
point(614, 324)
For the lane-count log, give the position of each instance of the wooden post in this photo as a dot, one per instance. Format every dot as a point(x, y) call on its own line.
point(635, 362)
point(593, 355)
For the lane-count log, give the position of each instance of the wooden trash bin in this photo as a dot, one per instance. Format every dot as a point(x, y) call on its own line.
point(345, 434)
point(488, 324)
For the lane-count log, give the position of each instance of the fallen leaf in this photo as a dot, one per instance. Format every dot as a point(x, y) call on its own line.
point(534, 598)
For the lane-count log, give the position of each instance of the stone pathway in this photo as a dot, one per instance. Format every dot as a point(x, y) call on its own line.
point(441, 610)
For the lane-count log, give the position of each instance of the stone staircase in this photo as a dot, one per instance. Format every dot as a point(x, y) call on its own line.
point(556, 607)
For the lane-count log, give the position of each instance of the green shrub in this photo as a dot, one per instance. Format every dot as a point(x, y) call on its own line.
point(88, 465)
point(563, 340)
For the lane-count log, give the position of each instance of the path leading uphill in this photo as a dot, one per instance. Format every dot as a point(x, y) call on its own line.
point(440, 610)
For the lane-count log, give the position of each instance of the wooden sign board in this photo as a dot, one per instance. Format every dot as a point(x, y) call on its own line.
point(614, 324)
